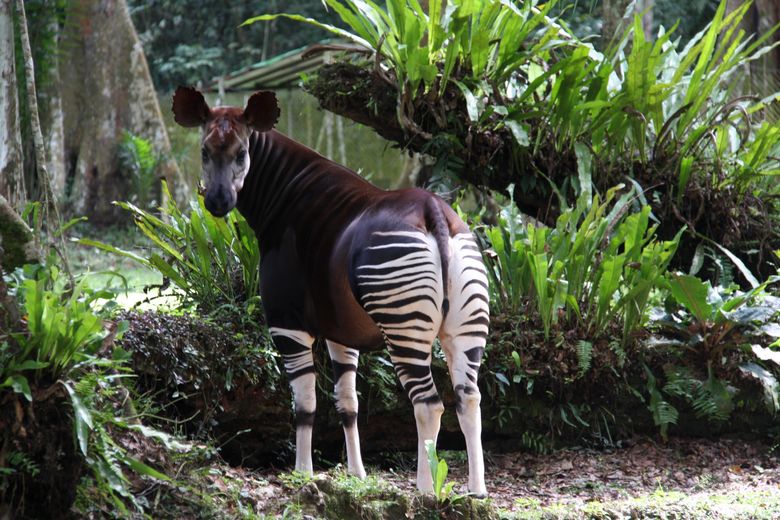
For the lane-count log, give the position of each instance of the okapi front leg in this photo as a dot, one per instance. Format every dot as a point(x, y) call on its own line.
point(296, 349)
point(345, 361)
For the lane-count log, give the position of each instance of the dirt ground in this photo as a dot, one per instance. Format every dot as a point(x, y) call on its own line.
point(578, 476)
point(736, 476)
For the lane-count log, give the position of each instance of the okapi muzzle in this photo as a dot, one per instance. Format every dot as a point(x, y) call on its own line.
point(219, 199)
point(225, 133)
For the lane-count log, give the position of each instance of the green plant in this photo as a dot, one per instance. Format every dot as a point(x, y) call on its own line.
point(64, 326)
point(710, 398)
point(663, 413)
point(480, 36)
point(442, 489)
point(705, 324)
point(295, 479)
point(100, 431)
point(598, 265)
point(214, 262)
point(19, 461)
point(536, 442)
point(63, 345)
point(713, 315)
point(503, 95)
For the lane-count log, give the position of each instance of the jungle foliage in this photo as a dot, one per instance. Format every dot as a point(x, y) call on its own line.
point(215, 44)
point(65, 403)
point(503, 95)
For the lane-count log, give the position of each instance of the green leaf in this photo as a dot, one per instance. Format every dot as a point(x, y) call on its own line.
point(83, 419)
point(166, 439)
point(20, 385)
point(111, 249)
point(519, 131)
point(31, 364)
point(686, 165)
point(584, 169)
point(433, 459)
point(740, 265)
point(335, 30)
point(768, 383)
point(144, 469)
point(472, 105)
point(691, 293)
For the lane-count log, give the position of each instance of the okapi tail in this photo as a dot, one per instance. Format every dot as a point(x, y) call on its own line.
point(438, 226)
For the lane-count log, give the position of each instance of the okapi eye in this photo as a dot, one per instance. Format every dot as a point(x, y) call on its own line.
point(240, 156)
point(204, 155)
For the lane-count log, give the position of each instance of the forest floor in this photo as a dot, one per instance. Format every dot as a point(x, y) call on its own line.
point(683, 478)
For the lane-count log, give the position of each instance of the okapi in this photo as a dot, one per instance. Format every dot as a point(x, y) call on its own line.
point(359, 266)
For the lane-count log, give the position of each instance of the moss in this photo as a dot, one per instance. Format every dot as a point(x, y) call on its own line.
point(16, 239)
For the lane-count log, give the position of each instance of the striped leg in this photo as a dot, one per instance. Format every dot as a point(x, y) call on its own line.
point(415, 375)
point(463, 338)
point(296, 349)
point(400, 286)
point(345, 361)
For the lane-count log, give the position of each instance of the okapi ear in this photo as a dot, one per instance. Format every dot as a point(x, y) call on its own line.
point(189, 107)
point(262, 111)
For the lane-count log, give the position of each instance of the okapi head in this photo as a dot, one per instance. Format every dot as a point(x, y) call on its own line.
point(224, 141)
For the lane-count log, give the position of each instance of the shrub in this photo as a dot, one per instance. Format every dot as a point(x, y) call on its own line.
point(597, 266)
point(214, 262)
point(62, 352)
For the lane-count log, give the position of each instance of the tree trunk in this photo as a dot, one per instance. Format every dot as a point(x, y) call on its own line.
point(612, 15)
point(44, 183)
point(11, 171)
point(17, 244)
point(766, 70)
point(52, 121)
point(106, 90)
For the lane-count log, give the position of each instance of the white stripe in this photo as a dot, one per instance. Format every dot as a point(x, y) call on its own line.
point(414, 234)
point(403, 272)
point(422, 255)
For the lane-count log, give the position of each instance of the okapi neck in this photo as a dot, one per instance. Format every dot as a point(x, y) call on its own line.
point(291, 185)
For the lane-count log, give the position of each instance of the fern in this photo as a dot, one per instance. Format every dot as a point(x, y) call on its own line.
point(20, 461)
point(710, 399)
point(680, 382)
point(137, 156)
point(584, 356)
point(535, 442)
point(616, 347)
point(663, 412)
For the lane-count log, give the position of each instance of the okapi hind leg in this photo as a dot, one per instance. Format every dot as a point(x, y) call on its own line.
point(463, 338)
point(400, 286)
point(345, 362)
point(295, 347)
point(428, 408)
